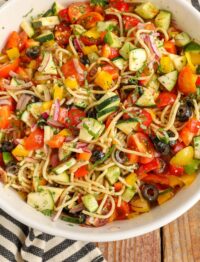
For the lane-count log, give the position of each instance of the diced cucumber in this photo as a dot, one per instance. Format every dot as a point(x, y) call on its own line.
point(26, 26)
point(163, 19)
point(125, 50)
point(78, 29)
point(113, 174)
point(127, 126)
point(106, 26)
point(147, 10)
point(7, 157)
point(48, 133)
point(119, 62)
point(55, 191)
point(90, 203)
point(107, 101)
point(49, 12)
point(128, 194)
point(93, 57)
point(91, 129)
point(45, 37)
point(169, 80)
point(146, 99)
point(112, 40)
point(16, 82)
point(137, 59)
point(179, 61)
point(41, 200)
point(82, 103)
point(35, 109)
point(192, 47)
point(45, 21)
point(153, 83)
point(182, 39)
point(197, 147)
point(27, 118)
point(48, 64)
point(61, 179)
point(102, 115)
point(64, 166)
point(63, 151)
point(56, 7)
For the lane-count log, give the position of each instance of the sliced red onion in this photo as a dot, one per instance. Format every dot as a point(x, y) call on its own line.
point(5, 102)
point(77, 66)
point(80, 125)
point(13, 74)
point(69, 139)
point(23, 102)
point(54, 123)
point(45, 115)
point(33, 128)
point(81, 145)
point(56, 110)
point(153, 46)
point(44, 62)
point(77, 208)
point(77, 45)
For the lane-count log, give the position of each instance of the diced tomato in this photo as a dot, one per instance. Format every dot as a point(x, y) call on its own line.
point(178, 146)
point(111, 70)
point(35, 140)
point(31, 42)
point(109, 119)
point(118, 186)
point(63, 115)
point(76, 10)
point(123, 211)
point(130, 22)
point(143, 82)
point(23, 74)
point(186, 135)
point(56, 141)
point(99, 9)
point(198, 82)
point(146, 119)
point(88, 41)
point(13, 40)
point(85, 156)
point(23, 40)
point(121, 6)
point(5, 113)
point(75, 116)
point(176, 170)
point(146, 168)
point(193, 125)
point(81, 171)
point(54, 160)
point(155, 179)
point(141, 142)
point(90, 19)
point(187, 81)
point(170, 47)
point(70, 69)
point(109, 52)
point(132, 159)
point(10, 66)
point(63, 15)
point(62, 33)
point(165, 99)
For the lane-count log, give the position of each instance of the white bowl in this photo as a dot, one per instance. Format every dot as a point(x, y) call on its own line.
point(187, 19)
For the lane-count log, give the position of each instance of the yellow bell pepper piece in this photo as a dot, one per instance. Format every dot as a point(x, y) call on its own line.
point(183, 157)
point(49, 43)
point(20, 151)
point(92, 33)
point(165, 197)
point(65, 132)
point(104, 80)
point(131, 179)
point(58, 92)
point(166, 64)
point(71, 82)
point(132, 215)
point(188, 57)
point(188, 179)
point(140, 205)
point(13, 53)
point(90, 49)
point(3, 59)
point(32, 64)
point(174, 181)
point(46, 105)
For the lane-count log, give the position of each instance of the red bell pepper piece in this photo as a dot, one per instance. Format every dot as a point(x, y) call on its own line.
point(35, 140)
point(81, 171)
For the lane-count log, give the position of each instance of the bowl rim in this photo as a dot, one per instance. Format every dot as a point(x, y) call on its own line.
point(107, 236)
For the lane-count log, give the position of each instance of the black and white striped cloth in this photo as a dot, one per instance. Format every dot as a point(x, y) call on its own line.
point(18, 243)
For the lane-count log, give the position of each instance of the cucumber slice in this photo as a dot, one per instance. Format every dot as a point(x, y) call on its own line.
point(112, 40)
point(182, 39)
point(127, 126)
point(27, 28)
point(64, 166)
point(41, 200)
point(46, 21)
point(63, 151)
point(128, 194)
point(48, 133)
point(197, 147)
point(113, 174)
point(125, 50)
point(56, 7)
point(27, 118)
point(48, 64)
point(147, 10)
point(163, 19)
point(107, 101)
point(55, 191)
point(137, 59)
point(120, 63)
point(90, 203)
point(169, 80)
point(61, 179)
point(45, 37)
point(179, 61)
point(91, 129)
point(192, 47)
point(102, 115)
point(106, 26)
point(93, 57)
point(146, 99)
point(7, 157)
point(78, 29)
point(35, 109)
point(81, 102)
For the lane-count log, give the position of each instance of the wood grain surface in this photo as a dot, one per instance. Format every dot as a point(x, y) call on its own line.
point(177, 242)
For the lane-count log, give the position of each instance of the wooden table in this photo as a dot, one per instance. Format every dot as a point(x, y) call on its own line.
point(177, 242)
